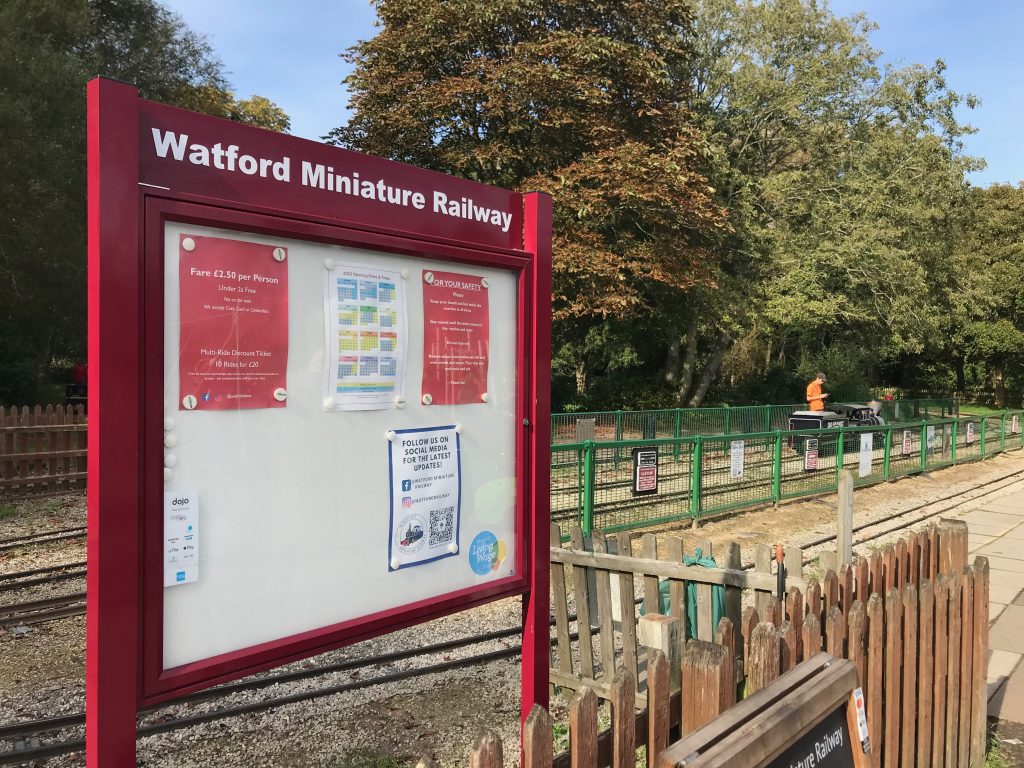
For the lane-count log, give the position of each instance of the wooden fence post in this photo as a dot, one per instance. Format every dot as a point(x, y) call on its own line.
point(875, 666)
point(623, 719)
point(762, 564)
point(787, 646)
point(940, 667)
point(966, 692)
point(810, 640)
point(581, 594)
point(561, 609)
point(708, 684)
point(583, 728)
point(893, 655)
point(978, 708)
point(925, 660)
point(910, 649)
point(953, 667)
point(764, 657)
point(844, 540)
point(652, 598)
point(662, 633)
point(486, 752)
point(725, 636)
point(537, 746)
point(658, 695)
point(857, 642)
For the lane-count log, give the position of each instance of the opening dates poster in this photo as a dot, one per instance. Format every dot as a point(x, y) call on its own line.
point(365, 360)
point(456, 338)
point(233, 337)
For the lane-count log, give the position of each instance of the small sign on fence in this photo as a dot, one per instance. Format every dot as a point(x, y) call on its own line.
point(970, 432)
point(907, 438)
point(1015, 425)
point(867, 454)
point(645, 471)
point(737, 451)
point(811, 454)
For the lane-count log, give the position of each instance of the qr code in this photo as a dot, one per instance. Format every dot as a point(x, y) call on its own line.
point(442, 527)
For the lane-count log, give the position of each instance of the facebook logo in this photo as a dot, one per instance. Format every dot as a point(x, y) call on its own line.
point(407, 485)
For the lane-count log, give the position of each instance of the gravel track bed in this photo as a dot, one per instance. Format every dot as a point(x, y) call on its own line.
point(439, 715)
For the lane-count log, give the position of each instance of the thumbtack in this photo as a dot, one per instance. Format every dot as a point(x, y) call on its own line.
point(453, 547)
point(280, 394)
point(400, 402)
point(329, 404)
point(188, 244)
point(483, 282)
point(392, 435)
point(428, 277)
point(484, 397)
point(394, 563)
point(458, 428)
point(427, 399)
point(168, 474)
point(279, 254)
point(189, 401)
point(168, 425)
point(405, 274)
point(328, 263)
point(170, 441)
point(170, 460)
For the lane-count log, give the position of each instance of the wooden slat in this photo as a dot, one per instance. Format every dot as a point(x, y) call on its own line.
point(908, 736)
point(861, 580)
point(810, 637)
point(900, 559)
point(980, 663)
point(835, 633)
point(874, 694)
point(925, 660)
point(857, 641)
point(583, 727)
point(677, 587)
point(486, 752)
point(813, 606)
point(725, 636)
point(561, 608)
point(606, 639)
point(762, 565)
point(627, 598)
point(764, 657)
point(914, 558)
point(537, 746)
point(845, 589)
point(649, 549)
point(787, 646)
point(705, 629)
point(893, 657)
point(657, 706)
point(966, 666)
point(623, 720)
point(794, 562)
point(748, 622)
point(939, 668)
point(733, 595)
point(773, 612)
point(583, 620)
point(889, 569)
point(795, 614)
point(876, 568)
point(953, 664)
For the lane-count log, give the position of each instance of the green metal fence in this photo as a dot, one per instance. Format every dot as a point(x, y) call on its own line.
point(570, 428)
point(704, 475)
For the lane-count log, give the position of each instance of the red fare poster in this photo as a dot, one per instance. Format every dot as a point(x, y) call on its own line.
point(456, 338)
point(233, 339)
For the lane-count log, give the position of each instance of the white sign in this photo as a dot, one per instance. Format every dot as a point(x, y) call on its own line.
point(364, 360)
point(736, 456)
point(811, 453)
point(181, 538)
point(970, 432)
point(1015, 425)
point(930, 439)
point(867, 453)
point(426, 495)
point(907, 442)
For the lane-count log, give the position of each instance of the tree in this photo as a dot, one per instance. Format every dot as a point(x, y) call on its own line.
point(574, 99)
point(48, 50)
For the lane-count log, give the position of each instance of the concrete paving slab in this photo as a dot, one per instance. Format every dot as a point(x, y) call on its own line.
point(1000, 665)
point(1007, 634)
point(1006, 594)
point(1017, 534)
point(1019, 600)
point(995, 519)
point(1008, 548)
point(994, 609)
point(989, 530)
point(1007, 703)
point(1006, 579)
point(1008, 564)
point(1008, 509)
point(976, 542)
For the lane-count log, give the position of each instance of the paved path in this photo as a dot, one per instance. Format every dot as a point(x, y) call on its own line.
point(996, 531)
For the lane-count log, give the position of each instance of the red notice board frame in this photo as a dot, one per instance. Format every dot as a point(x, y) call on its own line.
point(131, 196)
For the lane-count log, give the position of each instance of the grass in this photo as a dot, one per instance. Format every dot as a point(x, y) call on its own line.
point(996, 756)
point(7, 510)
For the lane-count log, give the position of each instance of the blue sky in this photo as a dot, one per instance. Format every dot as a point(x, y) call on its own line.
point(288, 52)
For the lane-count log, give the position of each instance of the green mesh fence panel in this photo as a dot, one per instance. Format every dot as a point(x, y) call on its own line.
point(905, 451)
point(968, 439)
point(736, 471)
point(808, 463)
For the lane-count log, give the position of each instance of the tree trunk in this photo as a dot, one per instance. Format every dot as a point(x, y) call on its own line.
point(671, 371)
point(961, 378)
point(581, 378)
point(689, 363)
point(711, 369)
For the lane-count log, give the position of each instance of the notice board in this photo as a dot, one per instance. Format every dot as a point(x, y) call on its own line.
point(298, 498)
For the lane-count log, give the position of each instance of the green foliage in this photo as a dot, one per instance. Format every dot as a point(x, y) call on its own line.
point(48, 51)
point(7, 510)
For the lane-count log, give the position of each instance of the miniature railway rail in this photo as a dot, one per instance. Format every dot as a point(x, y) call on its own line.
point(45, 537)
point(53, 574)
point(39, 611)
point(31, 729)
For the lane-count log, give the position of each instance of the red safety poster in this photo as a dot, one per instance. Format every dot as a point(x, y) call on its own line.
point(233, 338)
point(456, 338)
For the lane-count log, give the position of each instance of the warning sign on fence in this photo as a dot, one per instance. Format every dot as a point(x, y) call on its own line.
point(645, 471)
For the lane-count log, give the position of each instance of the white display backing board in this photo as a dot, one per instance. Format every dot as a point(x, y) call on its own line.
point(295, 500)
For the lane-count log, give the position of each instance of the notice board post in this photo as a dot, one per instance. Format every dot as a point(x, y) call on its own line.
point(270, 320)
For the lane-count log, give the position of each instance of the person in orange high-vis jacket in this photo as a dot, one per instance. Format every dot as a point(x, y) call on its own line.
point(815, 397)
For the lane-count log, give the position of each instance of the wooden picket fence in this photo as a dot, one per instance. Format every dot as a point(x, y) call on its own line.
point(42, 450)
point(913, 619)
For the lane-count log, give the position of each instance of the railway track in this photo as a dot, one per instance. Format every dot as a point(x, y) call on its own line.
point(40, 611)
point(16, 732)
point(46, 537)
point(52, 574)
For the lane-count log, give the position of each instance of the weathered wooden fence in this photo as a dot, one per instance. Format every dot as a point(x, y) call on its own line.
point(42, 450)
point(913, 618)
